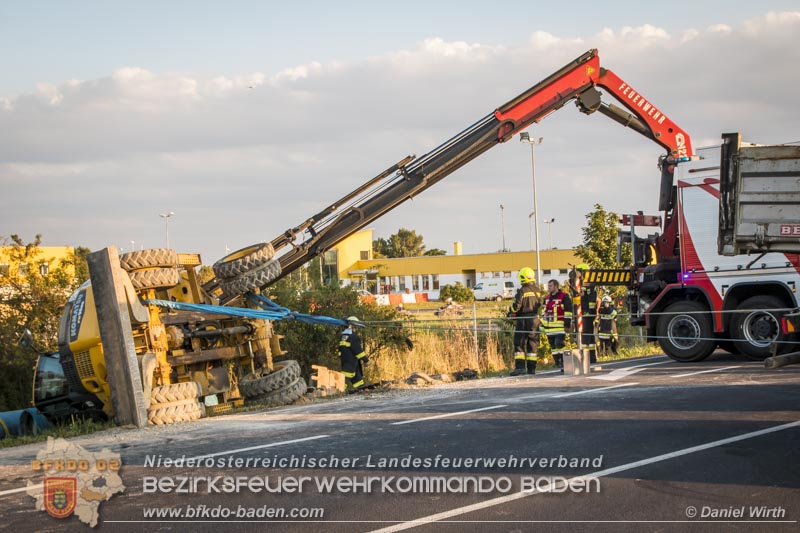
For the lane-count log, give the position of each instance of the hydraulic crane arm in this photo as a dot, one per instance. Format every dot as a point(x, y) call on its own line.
point(409, 177)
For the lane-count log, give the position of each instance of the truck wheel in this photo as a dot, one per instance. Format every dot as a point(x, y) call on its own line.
point(243, 260)
point(169, 413)
point(255, 279)
point(155, 278)
point(286, 395)
point(498, 298)
point(685, 333)
point(253, 386)
point(153, 257)
point(176, 402)
point(175, 392)
point(756, 329)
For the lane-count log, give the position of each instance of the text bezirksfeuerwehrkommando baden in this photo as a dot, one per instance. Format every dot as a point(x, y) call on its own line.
point(370, 461)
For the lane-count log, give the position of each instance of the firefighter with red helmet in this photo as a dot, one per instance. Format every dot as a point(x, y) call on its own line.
point(352, 354)
point(556, 320)
point(525, 311)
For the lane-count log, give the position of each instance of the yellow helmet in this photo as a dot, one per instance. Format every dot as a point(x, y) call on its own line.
point(582, 266)
point(526, 275)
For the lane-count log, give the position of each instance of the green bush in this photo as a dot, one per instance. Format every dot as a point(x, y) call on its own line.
point(311, 344)
point(457, 292)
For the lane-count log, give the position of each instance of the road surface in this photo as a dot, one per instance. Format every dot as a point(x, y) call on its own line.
point(641, 444)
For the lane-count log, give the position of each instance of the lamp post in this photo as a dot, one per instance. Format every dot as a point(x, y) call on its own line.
point(549, 222)
point(526, 138)
point(530, 229)
point(503, 225)
point(166, 217)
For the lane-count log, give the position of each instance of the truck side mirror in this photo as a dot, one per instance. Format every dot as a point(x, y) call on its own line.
point(26, 339)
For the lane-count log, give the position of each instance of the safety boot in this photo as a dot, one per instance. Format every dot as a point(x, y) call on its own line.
point(519, 365)
point(531, 367)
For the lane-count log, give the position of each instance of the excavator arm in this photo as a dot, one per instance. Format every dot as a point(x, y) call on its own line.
point(579, 81)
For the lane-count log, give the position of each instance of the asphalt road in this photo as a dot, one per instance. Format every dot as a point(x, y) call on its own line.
point(643, 444)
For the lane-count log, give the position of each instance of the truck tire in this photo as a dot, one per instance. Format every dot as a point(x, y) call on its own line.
point(176, 402)
point(175, 392)
point(169, 413)
point(685, 333)
point(255, 386)
point(155, 278)
point(755, 330)
point(284, 396)
point(244, 260)
point(153, 257)
point(255, 279)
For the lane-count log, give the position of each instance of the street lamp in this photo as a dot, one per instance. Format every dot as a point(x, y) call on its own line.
point(166, 217)
point(526, 138)
point(549, 223)
point(503, 225)
point(530, 229)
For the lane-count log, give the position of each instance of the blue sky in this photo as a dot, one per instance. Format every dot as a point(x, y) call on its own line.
point(111, 113)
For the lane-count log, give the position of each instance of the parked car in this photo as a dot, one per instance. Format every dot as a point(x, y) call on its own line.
point(497, 290)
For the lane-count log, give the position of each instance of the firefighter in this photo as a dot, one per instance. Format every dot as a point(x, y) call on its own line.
point(352, 354)
point(606, 332)
point(588, 301)
point(556, 320)
point(525, 309)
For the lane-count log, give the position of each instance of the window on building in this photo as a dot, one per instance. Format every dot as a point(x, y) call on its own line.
point(330, 267)
point(564, 271)
point(44, 268)
point(403, 283)
point(426, 283)
point(3, 269)
point(415, 283)
point(23, 269)
point(436, 282)
point(365, 255)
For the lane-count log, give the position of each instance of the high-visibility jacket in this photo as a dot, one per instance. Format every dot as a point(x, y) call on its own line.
point(526, 301)
point(557, 312)
point(607, 316)
point(351, 352)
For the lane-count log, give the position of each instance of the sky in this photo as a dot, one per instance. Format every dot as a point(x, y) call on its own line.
point(245, 118)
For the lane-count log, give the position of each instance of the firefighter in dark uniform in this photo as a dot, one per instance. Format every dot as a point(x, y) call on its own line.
point(526, 335)
point(607, 331)
point(588, 302)
point(556, 320)
point(352, 354)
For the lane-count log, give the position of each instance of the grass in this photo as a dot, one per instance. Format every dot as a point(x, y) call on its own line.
point(443, 345)
point(73, 428)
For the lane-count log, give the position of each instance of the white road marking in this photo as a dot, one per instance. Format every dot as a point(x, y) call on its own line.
point(625, 372)
point(445, 415)
point(601, 473)
point(21, 489)
point(601, 389)
point(706, 371)
point(230, 452)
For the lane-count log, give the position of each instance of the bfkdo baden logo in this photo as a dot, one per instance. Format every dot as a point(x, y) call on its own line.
point(75, 481)
point(60, 496)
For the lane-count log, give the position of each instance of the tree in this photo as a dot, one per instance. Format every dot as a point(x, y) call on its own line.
point(404, 243)
point(312, 344)
point(435, 251)
point(31, 297)
point(599, 248)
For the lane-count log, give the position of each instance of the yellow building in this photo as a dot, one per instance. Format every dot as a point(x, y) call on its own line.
point(353, 263)
point(44, 258)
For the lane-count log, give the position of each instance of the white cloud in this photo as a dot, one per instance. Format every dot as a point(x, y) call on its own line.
point(243, 157)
